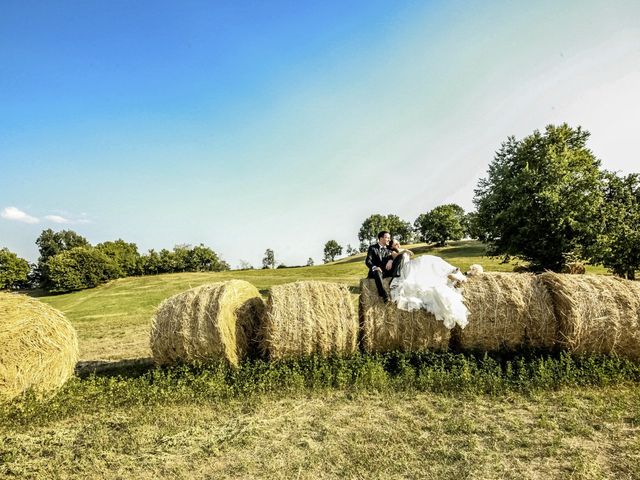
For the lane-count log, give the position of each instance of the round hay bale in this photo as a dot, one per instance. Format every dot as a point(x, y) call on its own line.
point(38, 346)
point(384, 327)
point(596, 313)
point(507, 311)
point(210, 322)
point(307, 318)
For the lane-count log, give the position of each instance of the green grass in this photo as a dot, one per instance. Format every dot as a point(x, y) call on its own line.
point(535, 415)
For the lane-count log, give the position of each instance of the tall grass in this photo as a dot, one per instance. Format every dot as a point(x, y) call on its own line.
point(448, 373)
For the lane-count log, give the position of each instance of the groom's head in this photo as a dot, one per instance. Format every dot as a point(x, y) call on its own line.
point(384, 237)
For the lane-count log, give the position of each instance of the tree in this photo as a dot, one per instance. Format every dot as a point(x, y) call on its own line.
point(77, 269)
point(473, 227)
point(443, 223)
point(244, 265)
point(269, 260)
point(124, 255)
point(541, 198)
point(617, 246)
point(204, 259)
point(399, 229)
point(14, 271)
point(331, 250)
point(310, 262)
point(52, 243)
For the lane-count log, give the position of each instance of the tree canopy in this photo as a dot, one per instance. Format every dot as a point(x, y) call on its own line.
point(541, 198)
point(443, 223)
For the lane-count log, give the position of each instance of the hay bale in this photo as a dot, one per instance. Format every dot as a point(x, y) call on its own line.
point(309, 318)
point(596, 313)
point(38, 346)
point(507, 311)
point(210, 322)
point(386, 328)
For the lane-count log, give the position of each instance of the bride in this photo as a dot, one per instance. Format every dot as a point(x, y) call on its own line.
point(430, 283)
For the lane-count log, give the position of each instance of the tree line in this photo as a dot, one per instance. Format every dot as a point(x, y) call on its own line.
point(68, 262)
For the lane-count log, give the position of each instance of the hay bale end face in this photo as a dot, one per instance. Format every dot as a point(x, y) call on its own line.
point(507, 311)
point(210, 322)
point(38, 347)
point(596, 313)
point(385, 328)
point(309, 318)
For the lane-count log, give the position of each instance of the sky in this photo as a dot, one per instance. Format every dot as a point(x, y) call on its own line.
point(247, 125)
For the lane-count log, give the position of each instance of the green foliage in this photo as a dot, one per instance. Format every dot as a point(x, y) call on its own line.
point(124, 255)
point(269, 260)
point(443, 223)
point(52, 243)
point(14, 271)
point(618, 243)
point(77, 269)
point(399, 229)
point(310, 262)
point(331, 250)
point(542, 197)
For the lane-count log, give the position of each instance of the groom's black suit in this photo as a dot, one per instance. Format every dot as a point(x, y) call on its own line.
point(378, 256)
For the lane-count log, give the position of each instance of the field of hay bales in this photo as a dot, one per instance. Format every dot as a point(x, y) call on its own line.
point(381, 416)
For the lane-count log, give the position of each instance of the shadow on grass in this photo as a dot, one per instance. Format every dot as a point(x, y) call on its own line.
point(128, 368)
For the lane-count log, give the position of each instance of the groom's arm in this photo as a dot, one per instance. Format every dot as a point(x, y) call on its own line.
point(369, 261)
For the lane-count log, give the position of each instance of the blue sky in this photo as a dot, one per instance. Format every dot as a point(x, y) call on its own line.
point(252, 125)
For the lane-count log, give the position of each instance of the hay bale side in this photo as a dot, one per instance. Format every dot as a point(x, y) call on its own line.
point(309, 318)
point(507, 311)
point(596, 313)
point(210, 322)
point(38, 346)
point(386, 328)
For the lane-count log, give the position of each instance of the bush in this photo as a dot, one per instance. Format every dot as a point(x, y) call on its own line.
point(77, 269)
point(14, 271)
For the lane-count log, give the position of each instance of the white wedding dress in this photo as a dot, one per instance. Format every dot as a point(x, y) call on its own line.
point(424, 283)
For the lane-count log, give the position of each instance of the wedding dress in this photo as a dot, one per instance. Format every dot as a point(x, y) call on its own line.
point(424, 283)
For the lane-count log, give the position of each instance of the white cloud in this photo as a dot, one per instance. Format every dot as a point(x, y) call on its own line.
point(13, 213)
point(57, 219)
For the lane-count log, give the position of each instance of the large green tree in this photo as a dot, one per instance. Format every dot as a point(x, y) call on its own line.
point(399, 229)
point(78, 268)
point(14, 271)
point(618, 243)
point(542, 197)
point(124, 255)
point(52, 243)
point(331, 250)
point(443, 223)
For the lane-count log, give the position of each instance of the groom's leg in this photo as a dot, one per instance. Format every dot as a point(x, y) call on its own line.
point(377, 276)
point(396, 268)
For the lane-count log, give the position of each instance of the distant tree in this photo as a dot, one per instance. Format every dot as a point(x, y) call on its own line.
point(350, 250)
point(52, 243)
point(124, 255)
point(617, 245)
point(244, 265)
point(331, 250)
point(269, 260)
point(310, 262)
point(14, 271)
point(167, 262)
point(204, 259)
point(77, 269)
point(282, 265)
point(399, 229)
point(443, 223)
point(151, 263)
point(542, 197)
point(473, 227)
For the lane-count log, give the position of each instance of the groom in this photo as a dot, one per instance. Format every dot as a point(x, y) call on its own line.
point(381, 263)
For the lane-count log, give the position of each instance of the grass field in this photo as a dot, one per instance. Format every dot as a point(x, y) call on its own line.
point(443, 417)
